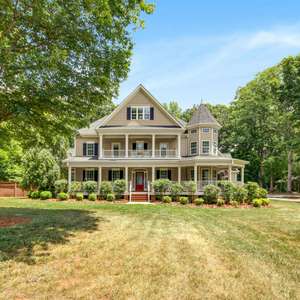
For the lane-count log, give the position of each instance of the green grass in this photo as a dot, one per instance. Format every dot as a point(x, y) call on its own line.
point(113, 251)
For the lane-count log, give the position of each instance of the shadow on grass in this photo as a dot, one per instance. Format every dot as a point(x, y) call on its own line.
point(47, 226)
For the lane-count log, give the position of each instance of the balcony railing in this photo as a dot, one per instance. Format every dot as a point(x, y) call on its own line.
point(113, 153)
point(139, 153)
point(165, 153)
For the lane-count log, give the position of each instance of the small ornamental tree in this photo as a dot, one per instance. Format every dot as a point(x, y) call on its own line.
point(252, 188)
point(119, 188)
point(162, 186)
point(89, 186)
point(227, 190)
point(61, 185)
point(105, 189)
point(240, 194)
point(211, 194)
point(176, 190)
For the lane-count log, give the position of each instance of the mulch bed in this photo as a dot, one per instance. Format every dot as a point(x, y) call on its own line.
point(11, 221)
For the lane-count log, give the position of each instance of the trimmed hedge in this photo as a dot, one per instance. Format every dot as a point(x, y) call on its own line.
point(45, 195)
point(62, 196)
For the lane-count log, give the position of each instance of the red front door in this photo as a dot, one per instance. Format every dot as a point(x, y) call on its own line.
point(139, 181)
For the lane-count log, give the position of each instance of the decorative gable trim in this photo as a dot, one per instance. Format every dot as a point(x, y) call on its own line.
point(129, 97)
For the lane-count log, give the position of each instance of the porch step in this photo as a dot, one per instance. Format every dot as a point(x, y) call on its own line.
point(139, 197)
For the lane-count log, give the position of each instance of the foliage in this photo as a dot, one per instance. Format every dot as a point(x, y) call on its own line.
point(35, 195)
point(261, 193)
point(211, 193)
point(105, 189)
point(161, 186)
point(79, 196)
point(76, 186)
point(252, 188)
point(240, 194)
point(220, 202)
point(40, 170)
point(257, 202)
point(176, 190)
point(199, 201)
point(59, 57)
point(119, 188)
point(62, 196)
point(92, 197)
point(227, 190)
point(190, 186)
point(234, 203)
point(174, 109)
point(166, 199)
point(110, 197)
point(61, 185)
point(45, 195)
point(265, 201)
point(89, 186)
point(183, 200)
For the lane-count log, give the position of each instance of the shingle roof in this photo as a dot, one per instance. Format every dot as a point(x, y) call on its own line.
point(203, 116)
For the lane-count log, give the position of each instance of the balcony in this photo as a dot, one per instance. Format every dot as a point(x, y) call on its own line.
point(136, 154)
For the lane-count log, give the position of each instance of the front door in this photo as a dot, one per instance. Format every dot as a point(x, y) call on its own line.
point(139, 181)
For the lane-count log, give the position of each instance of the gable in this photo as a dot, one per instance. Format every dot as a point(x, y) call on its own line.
point(141, 98)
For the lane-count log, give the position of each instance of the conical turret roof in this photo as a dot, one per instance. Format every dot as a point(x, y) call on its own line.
point(203, 116)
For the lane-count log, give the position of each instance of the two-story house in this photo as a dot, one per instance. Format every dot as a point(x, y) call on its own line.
point(140, 142)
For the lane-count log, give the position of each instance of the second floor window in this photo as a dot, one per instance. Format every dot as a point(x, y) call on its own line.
point(90, 149)
point(205, 147)
point(205, 130)
point(215, 147)
point(140, 113)
point(193, 148)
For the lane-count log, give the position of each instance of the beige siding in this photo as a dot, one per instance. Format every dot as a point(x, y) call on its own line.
point(140, 99)
point(79, 144)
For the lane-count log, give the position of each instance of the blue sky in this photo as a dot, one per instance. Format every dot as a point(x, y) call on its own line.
point(192, 50)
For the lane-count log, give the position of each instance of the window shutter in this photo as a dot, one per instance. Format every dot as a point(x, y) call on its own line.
point(83, 175)
point(109, 175)
point(121, 174)
point(169, 174)
point(96, 149)
point(157, 174)
point(145, 146)
point(151, 113)
point(84, 149)
point(96, 175)
point(133, 146)
point(129, 113)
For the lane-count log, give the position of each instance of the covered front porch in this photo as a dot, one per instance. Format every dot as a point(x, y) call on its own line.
point(139, 178)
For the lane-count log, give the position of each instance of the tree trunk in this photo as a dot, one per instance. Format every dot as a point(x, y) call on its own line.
point(290, 165)
point(261, 174)
point(271, 183)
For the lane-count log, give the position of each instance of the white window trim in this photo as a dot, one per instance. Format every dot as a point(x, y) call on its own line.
point(215, 147)
point(140, 142)
point(144, 107)
point(203, 147)
point(87, 152)
point(196, 150)
point(112, 174)
point(163, 170)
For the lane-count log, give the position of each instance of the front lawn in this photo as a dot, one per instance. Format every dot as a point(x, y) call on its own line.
point(119, 251)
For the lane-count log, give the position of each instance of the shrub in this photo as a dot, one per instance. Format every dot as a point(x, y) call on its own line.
point(227, 190)
point(257, 202)
point(45, 195)
point(29, 194)
point(183, 200)
point(211, 193)
point(234, 203)
point(261, 193)
point(62, 196)
point(35, 195)
point(240, 194)
point(105, 189)
point(79, 196)
point(92, 197)
point(265, 201)
point(199, 201)
point(162, 186)
point(61, 186)
point(75, 187)
point(110, 197)
point(190, 187)
point(220, 202)
point(167, 199)
point(89, 186)
point(119, 188)
point(176, 190)
point(251, 188)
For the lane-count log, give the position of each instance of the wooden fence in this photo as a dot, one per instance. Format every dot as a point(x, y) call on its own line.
point(11, 189)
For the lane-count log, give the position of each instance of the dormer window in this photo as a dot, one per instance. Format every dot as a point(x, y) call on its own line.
point(205, 130)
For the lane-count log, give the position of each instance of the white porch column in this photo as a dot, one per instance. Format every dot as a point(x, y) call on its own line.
point(126, 178)
point(195, 174)
point(229, 173)
point(153, 145)
point(153, 176)
point(100, 154)
point(126, 145)
point(69, 178)
point(179, 174)
point(178, 145)
point(99, 177)
point(242, 174)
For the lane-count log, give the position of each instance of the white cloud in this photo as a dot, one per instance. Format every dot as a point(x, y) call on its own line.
point(191, 68)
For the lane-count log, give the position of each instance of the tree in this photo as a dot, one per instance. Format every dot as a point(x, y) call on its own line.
point(174, 109)
point(40, 170)
point(61, 60)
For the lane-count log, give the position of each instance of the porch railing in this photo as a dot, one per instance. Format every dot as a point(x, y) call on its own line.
point(139, 153)
point(113, 153)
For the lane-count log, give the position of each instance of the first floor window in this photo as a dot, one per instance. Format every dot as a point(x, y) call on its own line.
point(115, 174)
point(163, 174)
point(205, 147)
point(193, 148)
point(90, 147)
point(89, 175)
point(205, 174)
